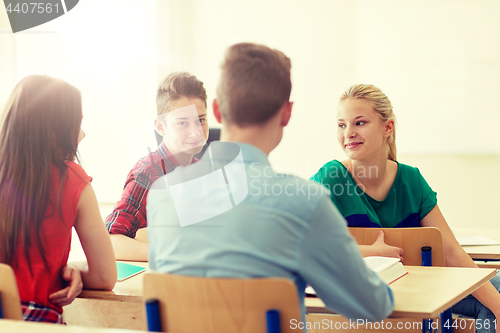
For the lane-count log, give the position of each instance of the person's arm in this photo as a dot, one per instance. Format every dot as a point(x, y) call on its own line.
point(127, 248)
point(455, 256)
point(332, 175)
point(380, 248)
point(331, 263)
point(99, 271)
point(126, 224)
point(142, 235)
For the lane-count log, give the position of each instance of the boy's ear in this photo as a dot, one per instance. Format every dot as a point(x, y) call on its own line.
point(160, 128)
point(286, 113)
point(217, 113)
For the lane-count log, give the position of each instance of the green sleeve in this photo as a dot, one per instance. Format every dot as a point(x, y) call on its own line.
point(429, 197)
point(322, 177)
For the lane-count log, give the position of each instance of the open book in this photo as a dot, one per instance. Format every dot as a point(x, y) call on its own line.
point(388, 269)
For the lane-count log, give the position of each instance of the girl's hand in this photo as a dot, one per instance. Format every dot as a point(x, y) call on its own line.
point(65, 296)
point(380, 248)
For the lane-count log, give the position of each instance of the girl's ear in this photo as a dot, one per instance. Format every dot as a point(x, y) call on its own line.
point(160, 128)
point(389, 128)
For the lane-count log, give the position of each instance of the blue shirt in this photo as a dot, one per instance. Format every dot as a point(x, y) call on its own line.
point(272, 225)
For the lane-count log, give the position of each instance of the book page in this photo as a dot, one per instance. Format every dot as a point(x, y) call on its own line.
point(378, 264)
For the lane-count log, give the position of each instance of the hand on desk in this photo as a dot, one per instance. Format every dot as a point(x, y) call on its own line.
point(380, 248)
point(65, 296)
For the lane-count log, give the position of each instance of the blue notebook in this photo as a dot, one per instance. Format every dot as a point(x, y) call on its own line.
point(127, 270)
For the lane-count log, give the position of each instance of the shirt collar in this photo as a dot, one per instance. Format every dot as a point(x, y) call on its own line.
point(249, 153)
point(165, 154)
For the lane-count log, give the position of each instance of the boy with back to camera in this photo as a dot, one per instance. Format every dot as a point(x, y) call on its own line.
point(290, 233)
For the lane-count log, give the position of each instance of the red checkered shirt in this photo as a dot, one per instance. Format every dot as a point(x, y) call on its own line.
point(129, 214)
point(36, 312)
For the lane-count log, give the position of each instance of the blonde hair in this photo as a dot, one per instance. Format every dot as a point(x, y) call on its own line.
point(380, 103)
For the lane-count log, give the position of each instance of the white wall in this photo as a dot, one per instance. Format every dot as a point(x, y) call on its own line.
point(439, 63)
point(437, 60)
point(107, 49)
point(466, 187)
point(317, 36)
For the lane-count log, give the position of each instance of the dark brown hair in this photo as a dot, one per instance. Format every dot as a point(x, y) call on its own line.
point(254, 84)
point(39, 129)
point(177, 85)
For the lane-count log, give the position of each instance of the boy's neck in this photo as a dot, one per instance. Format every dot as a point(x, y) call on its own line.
point(258, 136)
point(182, 158)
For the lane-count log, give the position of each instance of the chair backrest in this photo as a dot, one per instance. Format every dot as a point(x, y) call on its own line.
point(11, 305)
point(410, 240)
point(217, 305)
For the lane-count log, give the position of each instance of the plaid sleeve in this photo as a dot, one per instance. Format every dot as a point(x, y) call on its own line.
point(129, 214)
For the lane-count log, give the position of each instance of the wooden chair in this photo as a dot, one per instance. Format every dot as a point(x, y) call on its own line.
point(411, 240)
point(216, 305)
point(9, 296)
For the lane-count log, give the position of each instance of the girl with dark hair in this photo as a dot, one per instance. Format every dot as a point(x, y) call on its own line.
point(44, 194)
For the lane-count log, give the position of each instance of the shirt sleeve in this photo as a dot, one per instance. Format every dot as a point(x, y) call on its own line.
point(429, 197)
point(129, 214)
point(331, 263)
point(324, 179)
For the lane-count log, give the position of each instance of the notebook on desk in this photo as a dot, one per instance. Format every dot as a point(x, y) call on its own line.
point(126, 271)
point(476, 241)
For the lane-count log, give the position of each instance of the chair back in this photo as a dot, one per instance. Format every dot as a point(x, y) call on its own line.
point(190, 304)
point(9, 296)
point(410, 240)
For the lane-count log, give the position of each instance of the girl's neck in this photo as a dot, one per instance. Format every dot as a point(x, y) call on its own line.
point(371, 172)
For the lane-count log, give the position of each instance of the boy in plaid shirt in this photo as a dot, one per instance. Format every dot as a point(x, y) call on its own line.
point(182, 121)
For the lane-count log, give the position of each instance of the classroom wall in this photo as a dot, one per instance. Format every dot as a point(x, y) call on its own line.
point(107, 49)
point(466, 187)
point(437, 60)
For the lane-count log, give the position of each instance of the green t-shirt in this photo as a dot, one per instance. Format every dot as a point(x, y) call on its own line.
point(409, 200)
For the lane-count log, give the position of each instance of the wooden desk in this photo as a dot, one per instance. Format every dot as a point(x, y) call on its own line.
point(129, 290)
point(426, 291)
point(20, 326)
point(423, 293)
point(483, 252)
point(120, 308)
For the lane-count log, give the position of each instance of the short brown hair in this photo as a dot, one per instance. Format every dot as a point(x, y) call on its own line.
point(177, 85)
point(254, 84)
